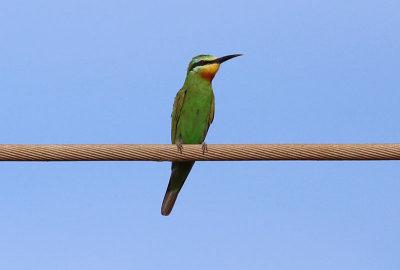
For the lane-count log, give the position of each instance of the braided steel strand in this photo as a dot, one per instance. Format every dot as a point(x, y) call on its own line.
point(168, 152)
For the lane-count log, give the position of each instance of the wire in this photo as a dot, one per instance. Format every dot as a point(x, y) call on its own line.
point(193, 152)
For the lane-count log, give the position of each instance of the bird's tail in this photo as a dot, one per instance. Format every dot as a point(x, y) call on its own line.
point(179, 173)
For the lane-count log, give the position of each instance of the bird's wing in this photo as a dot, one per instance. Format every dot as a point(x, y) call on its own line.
point(211, 118)
point(176, 112)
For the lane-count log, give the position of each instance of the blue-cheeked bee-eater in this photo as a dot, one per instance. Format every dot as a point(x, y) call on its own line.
point(192, 115)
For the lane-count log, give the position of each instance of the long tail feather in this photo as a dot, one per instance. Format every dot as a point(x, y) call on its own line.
point(179, 173)
point(168, 202)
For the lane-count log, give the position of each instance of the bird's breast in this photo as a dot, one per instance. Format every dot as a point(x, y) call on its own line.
point(194, 119)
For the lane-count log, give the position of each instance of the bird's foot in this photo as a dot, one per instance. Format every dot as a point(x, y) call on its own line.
point(179, 146)
point(204, 147)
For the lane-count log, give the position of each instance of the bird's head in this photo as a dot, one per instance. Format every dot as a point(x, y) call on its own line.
point(207, 65)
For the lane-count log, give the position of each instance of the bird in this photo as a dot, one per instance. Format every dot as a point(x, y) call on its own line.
point(192, 115)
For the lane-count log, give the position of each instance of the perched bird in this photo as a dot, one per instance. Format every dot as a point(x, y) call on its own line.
point(192, 114)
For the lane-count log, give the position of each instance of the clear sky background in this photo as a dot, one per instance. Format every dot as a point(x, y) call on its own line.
point(107, 72)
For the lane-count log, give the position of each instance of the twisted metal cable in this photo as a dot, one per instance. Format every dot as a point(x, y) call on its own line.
point(191, 152)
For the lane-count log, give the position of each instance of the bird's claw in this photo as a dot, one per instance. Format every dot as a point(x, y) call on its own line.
point(180, 147)
point(204, 147)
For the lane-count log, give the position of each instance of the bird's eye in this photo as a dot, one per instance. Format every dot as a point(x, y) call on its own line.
point(202, 62)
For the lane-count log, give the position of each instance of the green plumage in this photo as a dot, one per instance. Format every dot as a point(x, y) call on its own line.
point(193, 111)
point(192, 115)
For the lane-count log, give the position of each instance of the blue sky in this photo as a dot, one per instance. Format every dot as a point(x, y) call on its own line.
point(107, 72)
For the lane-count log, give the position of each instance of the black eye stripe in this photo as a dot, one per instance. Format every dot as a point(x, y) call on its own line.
point(201, 63)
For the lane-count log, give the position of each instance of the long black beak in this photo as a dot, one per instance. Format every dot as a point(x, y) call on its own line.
point(225, 58)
